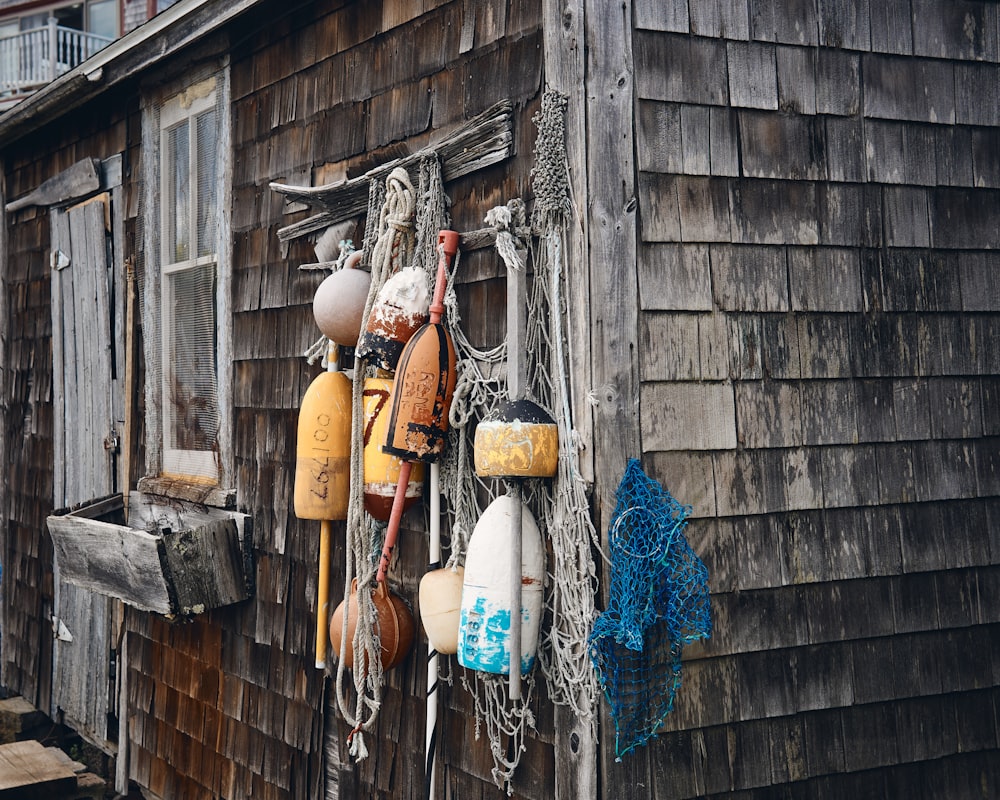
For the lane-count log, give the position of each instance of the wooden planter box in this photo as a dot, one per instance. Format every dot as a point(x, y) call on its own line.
point(170, 559)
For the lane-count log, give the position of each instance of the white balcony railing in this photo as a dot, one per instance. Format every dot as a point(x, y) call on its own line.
point(30, 59)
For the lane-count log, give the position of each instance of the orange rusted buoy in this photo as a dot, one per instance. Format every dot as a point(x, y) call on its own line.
point(381, 470)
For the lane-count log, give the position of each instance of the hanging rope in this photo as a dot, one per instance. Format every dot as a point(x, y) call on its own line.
point(393, 238)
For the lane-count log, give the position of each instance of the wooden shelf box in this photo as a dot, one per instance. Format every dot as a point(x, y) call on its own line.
point(172, 558)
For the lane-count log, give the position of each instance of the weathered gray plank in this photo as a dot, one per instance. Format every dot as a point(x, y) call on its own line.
point(680, 68)
point(891, 27)
point(753, 75)
point(613, 240)
point(907, 221)
point(719, 19)
point(749, 278)
point(715, 359)
point(704, 209)
point(829, 412)
point(985, 158)
point(658, 137)
point(696, 142)
point(745, 359)
point(844, 24)
point(957, 410)
point(796, 70)
point(780, 346)
point(953, 155)
point(850, 476)
point(876, 411)
point(792, 21)
point(838, 83)
point(660, 204)
point(768, 414)
point(112, 560)
point(792, 147)
point(850, 214)
point(965, 218)
point(724, 142)
point(901, 153)
point(674, 277)
point(205, 567)
point(774, 212)
point(902, 89)
point(912, 409)
point(668, 347)
point(690, 479)
point(977, 94)
point(968, 31)
point(885, 345)
point(824, 279)
point(844, 149)
point(71, 184)
point(661, 15)
point(688, 416)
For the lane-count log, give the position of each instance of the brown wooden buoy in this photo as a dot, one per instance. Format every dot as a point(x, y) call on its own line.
point(381, 470)
point(400, 309)
point(339, 303)
point(394, 625)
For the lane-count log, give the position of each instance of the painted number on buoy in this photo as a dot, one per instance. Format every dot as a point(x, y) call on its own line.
point(320, 471)
point(383, 398)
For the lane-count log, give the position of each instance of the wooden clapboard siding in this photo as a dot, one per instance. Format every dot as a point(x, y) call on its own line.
point(817, 209)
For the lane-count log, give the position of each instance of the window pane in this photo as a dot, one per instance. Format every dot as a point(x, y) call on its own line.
point(177, 194)
point(207, 211)
point(102, 18)
point(191, 372)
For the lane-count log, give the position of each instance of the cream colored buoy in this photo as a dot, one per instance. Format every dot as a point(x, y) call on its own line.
point(401, 308)
point(339, 303)
point(485, 617)
point(440, 599)
point(381, 470)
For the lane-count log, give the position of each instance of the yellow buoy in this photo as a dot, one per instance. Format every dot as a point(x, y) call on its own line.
point(382, 469)
point(323, 449)
point(522, 443)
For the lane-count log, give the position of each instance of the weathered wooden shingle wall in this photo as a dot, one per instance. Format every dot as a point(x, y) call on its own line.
point(327, 89)
point(819, 351)
point(26, 404)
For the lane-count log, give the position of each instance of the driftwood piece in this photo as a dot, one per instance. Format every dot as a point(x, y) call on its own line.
point(71, 184)
point(488, 139)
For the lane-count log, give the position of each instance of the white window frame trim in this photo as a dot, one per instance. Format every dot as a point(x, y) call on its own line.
point(184, 99)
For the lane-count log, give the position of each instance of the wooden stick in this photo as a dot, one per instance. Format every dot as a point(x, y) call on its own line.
point(323, 593)
point(392, 532)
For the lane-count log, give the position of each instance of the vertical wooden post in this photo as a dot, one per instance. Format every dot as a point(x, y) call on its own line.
point(564, 27)
point(613, 243)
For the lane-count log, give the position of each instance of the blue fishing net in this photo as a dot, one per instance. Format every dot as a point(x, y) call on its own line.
point(659, 603)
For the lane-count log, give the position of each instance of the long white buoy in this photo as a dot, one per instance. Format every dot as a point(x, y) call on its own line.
point(434, 559)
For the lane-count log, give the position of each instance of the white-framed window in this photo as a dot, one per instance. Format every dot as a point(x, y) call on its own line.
point(186, 277)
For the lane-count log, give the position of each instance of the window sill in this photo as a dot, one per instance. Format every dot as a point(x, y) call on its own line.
point(190, 491)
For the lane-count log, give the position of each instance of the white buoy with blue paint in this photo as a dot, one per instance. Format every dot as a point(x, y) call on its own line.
point(484, 641)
